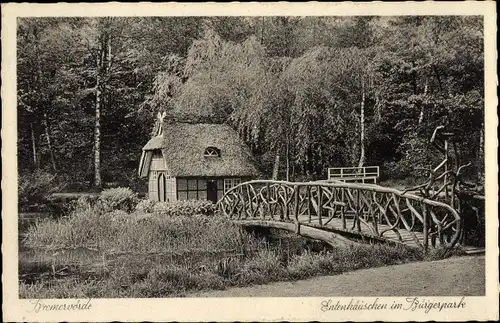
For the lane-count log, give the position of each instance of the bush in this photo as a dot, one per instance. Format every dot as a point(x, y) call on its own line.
point(119, 198)
point(473, 214)
point(35, 187)
point(84, 203)
point(184, 208)
point(265, 266)
point(145, 206)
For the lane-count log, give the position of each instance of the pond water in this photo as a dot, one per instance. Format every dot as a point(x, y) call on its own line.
point(25, 220)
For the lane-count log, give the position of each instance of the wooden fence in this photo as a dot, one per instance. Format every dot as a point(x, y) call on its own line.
point(366, 174)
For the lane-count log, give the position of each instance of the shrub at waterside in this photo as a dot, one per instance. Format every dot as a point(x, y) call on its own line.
point(36, 187)
point(120, 198)
point(177, 208)
point(185, 208)
point(145, 206)
point(117, 230)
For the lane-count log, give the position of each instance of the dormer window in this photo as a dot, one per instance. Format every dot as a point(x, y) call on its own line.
point(212, 152)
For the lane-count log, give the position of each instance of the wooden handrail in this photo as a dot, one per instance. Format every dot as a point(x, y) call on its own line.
point(373, 210)
point(365, 173)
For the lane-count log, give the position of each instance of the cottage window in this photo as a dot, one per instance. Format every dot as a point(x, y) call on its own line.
point(192, 185)
point(230, 183)
point(191, 189)
point(212, 152)
point(220, 188)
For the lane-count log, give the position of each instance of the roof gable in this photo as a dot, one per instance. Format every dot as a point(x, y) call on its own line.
point(154, 143)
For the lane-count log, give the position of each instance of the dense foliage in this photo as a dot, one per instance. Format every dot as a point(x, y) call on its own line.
point(119, 198)
point(185, 208)
point(36, 187)
point(318, 91)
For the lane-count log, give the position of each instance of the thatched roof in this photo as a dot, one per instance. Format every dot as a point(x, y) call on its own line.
point(203, 116)
point(155, 143)
point(183, 146)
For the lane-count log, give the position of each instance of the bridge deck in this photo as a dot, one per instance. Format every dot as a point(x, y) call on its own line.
point(335, 224)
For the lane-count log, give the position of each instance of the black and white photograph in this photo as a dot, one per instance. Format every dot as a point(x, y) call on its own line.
point(202, 157)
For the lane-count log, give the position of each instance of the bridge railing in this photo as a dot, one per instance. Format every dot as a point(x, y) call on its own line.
point(362, 209)
point(363, 174)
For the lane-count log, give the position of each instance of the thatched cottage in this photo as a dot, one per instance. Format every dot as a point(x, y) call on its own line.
point(201, 161)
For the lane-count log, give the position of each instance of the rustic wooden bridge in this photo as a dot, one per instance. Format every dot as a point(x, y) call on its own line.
point(336, 211)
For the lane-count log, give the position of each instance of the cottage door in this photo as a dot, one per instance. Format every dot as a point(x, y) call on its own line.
point(162, 187)
point(212, 191)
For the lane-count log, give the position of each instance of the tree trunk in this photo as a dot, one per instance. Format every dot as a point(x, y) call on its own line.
point(262, 31)
point(49, 144)
point(37, 80)
point(110, 56)
point(436, 73)
point(287, 160)
point(276, 167)
point(480, 155)
point(97, 139)
point(421, 117)
point(33, 143)
point(378, 109)
point(97, 126)
point(362, 129)
point(414, 82)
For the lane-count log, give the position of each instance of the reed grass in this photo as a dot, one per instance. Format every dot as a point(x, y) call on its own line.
point(116, 254)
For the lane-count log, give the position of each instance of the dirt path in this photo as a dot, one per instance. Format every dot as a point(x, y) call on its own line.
point(462, 276)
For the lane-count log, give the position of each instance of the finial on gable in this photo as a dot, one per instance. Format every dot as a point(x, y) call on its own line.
point(159, 123)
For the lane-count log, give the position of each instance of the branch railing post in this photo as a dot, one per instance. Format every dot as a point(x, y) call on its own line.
point(285, 204)
point(308, 198)
point(320, 204)
point(425, 227)
point(297, 202)
point(342, 210)
point(250, 201)
point(446, 169)
point(358, 210)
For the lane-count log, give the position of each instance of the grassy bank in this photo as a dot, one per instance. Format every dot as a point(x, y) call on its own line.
point(153, 253)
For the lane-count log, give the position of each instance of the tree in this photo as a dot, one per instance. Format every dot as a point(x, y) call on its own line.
point(315, 92)
point(100, 42)
point(416, 62)
point(329, 88)
point(44, 47)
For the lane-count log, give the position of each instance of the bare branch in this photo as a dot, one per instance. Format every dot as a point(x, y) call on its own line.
point(462, 167)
